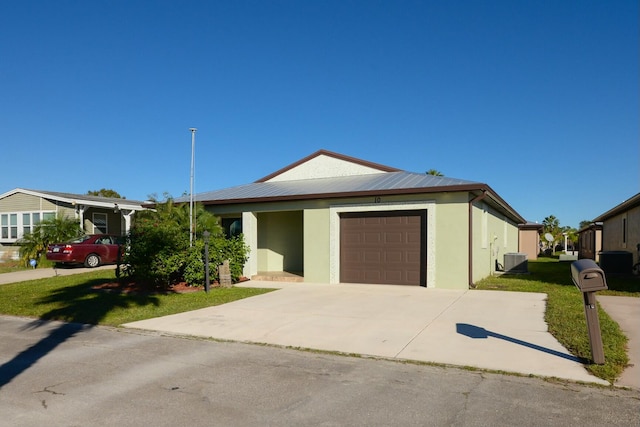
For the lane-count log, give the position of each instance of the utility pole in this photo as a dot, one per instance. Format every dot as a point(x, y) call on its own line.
point(193, 161)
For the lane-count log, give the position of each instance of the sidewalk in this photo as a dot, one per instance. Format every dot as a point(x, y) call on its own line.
point(43, 273)
point(626, 312)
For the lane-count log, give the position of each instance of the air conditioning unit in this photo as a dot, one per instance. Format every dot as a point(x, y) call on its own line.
point(616, 262)
point(515, 263)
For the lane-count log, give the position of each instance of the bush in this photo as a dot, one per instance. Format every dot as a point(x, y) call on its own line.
point(220, 249)
point(159, 251)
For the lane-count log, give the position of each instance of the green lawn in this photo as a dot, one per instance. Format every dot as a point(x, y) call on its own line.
point(71, 299)
point(565, 311)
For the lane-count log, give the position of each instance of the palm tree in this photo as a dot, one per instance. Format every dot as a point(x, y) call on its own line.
point(55, 230)
point(434, 172)
point(551, 225)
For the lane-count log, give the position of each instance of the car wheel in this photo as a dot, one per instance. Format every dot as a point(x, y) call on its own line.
point(92, 261)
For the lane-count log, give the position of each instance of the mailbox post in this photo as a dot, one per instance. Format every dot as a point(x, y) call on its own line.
point(589, 278)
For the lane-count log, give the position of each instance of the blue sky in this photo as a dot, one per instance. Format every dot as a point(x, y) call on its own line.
point(538, 99)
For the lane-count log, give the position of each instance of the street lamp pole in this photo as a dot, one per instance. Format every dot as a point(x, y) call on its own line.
point(193, 161)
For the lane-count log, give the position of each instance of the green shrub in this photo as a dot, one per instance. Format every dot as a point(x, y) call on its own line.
point(159, 250)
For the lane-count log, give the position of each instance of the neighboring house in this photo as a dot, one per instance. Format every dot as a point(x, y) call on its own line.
point(590, 242)
point(620, 235)
point(337, 219)
point(529, 239)
point(21, 210)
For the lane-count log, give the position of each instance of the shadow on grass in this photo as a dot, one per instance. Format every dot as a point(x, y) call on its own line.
point(80, 308)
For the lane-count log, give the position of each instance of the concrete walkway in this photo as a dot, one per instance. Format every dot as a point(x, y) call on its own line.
point(43, 273)
point(502, 331)
point(626, 312)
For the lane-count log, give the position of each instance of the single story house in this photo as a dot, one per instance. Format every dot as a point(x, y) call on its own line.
point(22, 209)
point(337, 219)
point(618, 232)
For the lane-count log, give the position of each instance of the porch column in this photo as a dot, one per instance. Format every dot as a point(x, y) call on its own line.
point(127, 220)
point(250, 231)
point(80, 216)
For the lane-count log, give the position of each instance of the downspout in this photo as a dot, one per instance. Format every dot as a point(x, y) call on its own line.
point(470, 266)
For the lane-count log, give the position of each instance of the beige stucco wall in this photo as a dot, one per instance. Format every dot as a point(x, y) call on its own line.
point(529, 243)
point(317, 246)
point(450, 244)
point(612, 232)
point(493, 236)
point(323, 167)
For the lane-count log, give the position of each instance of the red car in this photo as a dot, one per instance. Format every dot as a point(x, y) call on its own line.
point(92, 251)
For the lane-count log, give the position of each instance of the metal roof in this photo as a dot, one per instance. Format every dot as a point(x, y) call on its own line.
point(87, 199)
point(627, 205)
point(345, 186)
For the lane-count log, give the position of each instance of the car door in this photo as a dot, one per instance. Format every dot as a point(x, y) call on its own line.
point(107, 249)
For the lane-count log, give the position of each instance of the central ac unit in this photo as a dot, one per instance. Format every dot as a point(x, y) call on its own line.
point(515, 263)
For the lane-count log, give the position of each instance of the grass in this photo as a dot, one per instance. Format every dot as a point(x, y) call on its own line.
point(565, 311)
point(71, 299)
point(9, 266)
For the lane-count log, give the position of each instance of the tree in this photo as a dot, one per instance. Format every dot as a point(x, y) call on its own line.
point(104, 192)
point(551, 225)
point(55, 230)
point(434, 172)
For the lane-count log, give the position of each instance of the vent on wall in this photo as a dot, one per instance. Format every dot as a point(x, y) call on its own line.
point(515, 263)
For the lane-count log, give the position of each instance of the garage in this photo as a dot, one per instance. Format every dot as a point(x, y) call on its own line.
point(386, 247)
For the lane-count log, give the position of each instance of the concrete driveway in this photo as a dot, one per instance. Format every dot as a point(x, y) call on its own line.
point(503, 331)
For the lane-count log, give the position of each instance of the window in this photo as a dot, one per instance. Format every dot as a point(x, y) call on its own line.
point(100, 223)
point(26, 223)
point(4, 226)
point(232, 226)
point(14, 226)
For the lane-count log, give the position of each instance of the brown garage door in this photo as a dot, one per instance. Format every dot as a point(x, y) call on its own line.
point(383, 247)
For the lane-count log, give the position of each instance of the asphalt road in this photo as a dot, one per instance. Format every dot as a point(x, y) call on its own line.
point(58, 374)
